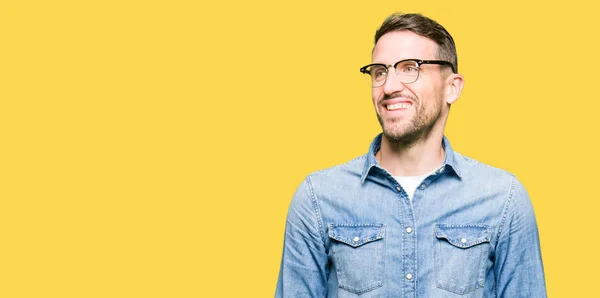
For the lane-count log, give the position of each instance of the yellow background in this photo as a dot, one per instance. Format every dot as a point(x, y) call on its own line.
point(151, 148)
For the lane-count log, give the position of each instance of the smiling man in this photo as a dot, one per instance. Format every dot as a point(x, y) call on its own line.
point(412, 217)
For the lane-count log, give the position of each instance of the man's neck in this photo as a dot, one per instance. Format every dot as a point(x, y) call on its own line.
point(418, 158)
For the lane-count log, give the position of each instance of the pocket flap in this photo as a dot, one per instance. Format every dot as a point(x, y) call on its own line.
point(356, 235)
point(463, 236)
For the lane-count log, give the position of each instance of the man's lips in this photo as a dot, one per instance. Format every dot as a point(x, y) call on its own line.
point(396, 104)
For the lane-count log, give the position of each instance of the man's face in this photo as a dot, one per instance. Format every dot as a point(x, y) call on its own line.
point(408, 112)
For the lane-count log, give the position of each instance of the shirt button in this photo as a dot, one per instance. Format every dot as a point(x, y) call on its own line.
point(409, 229)
point(398, 188)
point(441, 170)
point(409, 276)
point(356, 239)
point(464, 240)
point(422, 186)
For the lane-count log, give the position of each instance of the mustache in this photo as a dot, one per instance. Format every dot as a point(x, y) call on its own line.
point(396, 95)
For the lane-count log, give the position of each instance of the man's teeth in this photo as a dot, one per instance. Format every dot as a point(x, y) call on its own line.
point(401, 105)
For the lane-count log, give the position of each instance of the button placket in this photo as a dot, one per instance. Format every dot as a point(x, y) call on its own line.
point(409, 253)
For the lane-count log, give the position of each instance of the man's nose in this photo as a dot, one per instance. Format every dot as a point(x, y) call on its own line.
point(392, 83)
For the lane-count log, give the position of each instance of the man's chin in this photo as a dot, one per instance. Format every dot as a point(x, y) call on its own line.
point(395, 129)
point(401, 136)
point(394, 134)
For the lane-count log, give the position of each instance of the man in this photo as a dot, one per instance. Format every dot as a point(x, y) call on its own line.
point(412, 217)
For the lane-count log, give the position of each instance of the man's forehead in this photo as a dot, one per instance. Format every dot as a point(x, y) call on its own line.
point(398, 45)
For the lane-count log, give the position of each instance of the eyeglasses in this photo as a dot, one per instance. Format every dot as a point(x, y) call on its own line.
point(407, 70)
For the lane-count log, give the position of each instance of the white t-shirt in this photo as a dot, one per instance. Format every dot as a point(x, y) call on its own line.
point(410, 183)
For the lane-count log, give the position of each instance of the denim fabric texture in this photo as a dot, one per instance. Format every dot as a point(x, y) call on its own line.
point(469, 231)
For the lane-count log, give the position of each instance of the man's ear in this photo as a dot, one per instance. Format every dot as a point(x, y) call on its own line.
point(454, 86)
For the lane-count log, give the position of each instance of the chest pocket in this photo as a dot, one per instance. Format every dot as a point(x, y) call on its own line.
point(358, 256)
point(460, 256)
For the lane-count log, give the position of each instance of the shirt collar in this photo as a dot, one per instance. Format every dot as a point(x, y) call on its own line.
point(450, 160)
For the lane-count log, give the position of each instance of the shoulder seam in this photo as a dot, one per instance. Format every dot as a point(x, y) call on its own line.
point(316, 209)
point(506, 207)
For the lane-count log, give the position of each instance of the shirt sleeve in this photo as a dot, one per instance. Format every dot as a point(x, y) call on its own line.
point(518, 263)
point(304, 264)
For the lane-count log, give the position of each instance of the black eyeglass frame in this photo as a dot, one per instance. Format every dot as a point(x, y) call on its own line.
point(418, 61)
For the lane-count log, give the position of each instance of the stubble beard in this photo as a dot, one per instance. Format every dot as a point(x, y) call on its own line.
point(411, 133)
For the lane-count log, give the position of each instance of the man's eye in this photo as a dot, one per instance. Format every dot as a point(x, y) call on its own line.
point(379, 73)
point(410, 69)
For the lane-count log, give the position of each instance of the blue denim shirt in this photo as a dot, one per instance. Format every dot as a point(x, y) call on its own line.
point(469, 231)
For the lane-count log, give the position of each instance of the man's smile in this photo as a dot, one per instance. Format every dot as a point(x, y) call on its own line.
point(398, 106)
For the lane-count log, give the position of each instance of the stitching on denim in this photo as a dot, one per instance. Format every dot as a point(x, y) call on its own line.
point(457, 290)
point(414, 240)
point(370, 287)
point(372, 238)
point(356, 244)
point(456, 166)
point(316, 209)
point(383, 262)
point(466, 244)
point(400, 213)
point(443, 284)
point(464, 226)
point(439, 233)
point(506, 207)
point(380, 233)
point(349, 225)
